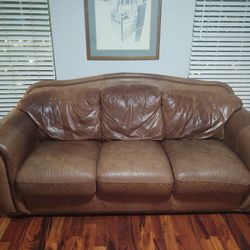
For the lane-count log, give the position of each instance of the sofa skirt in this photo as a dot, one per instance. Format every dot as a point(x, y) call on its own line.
point(102, 204)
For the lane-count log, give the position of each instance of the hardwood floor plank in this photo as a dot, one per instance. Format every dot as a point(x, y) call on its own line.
point(146, 223)
point(147, 241)
point(200, 232)
point(207, 244)
point(136, 232)
point(125, 233)
point(217, 244)
point(44, 231)
point(240, 234)
point(223, 233)
point(186, 235)
point(170, 236)
point(198, 227)
point(4, 245)
point(208, 224)
point(243, 224)
point(106, 232)
point(31, 237)
point(157, 232)
point(73, 243)
point(146, 234)
point(89, 236)
point(4, 222)
point(138, 228)
point(53, 238)
point(72, 235)
point(15, 232)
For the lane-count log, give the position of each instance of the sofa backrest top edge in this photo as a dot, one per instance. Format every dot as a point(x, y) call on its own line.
point(107, 80)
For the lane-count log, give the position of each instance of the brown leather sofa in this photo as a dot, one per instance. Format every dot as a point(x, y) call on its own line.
point(125, 143)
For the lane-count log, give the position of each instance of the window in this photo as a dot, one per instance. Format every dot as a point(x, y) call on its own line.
point(26, 54)
point(221, 44)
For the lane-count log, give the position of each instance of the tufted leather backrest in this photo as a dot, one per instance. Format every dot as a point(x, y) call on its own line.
point(131, 112)
point(130, 107)
point(197, 114)
point(71, 113)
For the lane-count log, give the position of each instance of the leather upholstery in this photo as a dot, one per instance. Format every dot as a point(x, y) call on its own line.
point(18, 137)
point(129, 203)
point(131, 113)
point(246, 203)
point(237, 135)
point(206, 167)
point(160, 81)
point(134, 168)
point(60, 168)
point(197, 114)
point(67, 113)
point(48, 164)
point(6, 204)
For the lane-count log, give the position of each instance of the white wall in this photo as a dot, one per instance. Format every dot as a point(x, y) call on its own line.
point(68, 30)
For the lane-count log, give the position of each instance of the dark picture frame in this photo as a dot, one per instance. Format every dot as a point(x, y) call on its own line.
point(123, 29)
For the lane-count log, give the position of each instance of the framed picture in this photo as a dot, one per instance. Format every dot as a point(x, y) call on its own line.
point(122, 29)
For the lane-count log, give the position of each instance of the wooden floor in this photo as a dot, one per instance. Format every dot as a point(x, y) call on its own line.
point(191, 232)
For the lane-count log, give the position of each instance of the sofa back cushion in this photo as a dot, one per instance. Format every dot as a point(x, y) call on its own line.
point(65, 113)
point(192, 114)
point(131, 112)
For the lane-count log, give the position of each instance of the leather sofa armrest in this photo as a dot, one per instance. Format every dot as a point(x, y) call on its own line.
point(237, 134)
point(6, 203)
point(18, 138)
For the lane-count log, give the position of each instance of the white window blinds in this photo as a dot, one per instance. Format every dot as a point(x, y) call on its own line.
point(26, 54)
point(221, 44)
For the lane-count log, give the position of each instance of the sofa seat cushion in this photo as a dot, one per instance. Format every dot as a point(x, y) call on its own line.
point(206, 167)
point(60, 168)
point(134, 168)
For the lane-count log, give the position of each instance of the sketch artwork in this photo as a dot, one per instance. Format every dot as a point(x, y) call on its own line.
point(128, 18)
point(123, 24)
point(122, 29)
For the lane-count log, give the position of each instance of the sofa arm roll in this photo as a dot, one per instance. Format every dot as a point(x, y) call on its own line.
point(18, 137)
point(6, 202)
point(237, 134)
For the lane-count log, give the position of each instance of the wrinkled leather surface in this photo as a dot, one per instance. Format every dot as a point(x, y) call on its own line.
point(66, 113)
point(6, 204)
point(206, 167)
point(237, 134)
point(18, 137)
point(197, 114)
point(131, 113)
point(60, 168)
point(134, 168)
